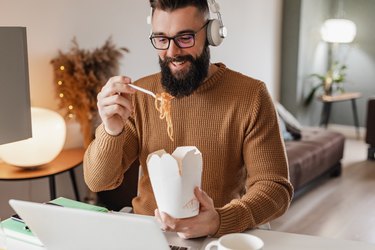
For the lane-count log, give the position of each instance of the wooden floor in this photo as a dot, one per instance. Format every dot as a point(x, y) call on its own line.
point(343, 207)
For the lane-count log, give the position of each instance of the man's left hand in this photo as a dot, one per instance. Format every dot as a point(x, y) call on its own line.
point(205, 223)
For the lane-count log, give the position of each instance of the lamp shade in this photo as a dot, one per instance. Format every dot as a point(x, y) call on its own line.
point(48, 138)
point(338, 31)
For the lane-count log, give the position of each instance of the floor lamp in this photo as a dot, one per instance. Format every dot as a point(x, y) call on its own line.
point(336, 31)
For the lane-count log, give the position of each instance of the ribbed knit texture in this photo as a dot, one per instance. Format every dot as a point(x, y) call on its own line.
point(231, 119)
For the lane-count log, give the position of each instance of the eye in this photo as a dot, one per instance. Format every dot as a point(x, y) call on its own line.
point(161, 39)
point(185, 39)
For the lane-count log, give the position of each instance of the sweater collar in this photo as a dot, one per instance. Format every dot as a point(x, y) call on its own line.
point(214, 79)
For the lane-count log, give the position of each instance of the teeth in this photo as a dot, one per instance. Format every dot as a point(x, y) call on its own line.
point(179, 63)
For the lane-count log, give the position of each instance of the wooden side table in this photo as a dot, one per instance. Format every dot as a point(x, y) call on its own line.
point(327, 103)
point(67, 160)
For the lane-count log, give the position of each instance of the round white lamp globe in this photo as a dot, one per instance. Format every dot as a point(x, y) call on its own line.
point(338, 31)
point(48, 139)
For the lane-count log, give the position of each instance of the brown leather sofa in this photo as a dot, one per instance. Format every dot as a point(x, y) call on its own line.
point(316, 155)
point(370, 129)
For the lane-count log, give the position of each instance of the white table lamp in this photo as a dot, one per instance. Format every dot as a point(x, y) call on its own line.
point(48, 138)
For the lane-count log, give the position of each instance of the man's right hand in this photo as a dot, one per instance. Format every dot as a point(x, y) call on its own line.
point(114, 104)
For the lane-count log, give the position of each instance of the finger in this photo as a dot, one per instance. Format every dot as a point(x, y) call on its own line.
point(183, 235)
point(203, 198)
point(117, 100)
point(124, 80)
point(157, 217)
point(115, 104)
point(170, 222)
point(110, 111)
point(117, 84)
point(188, 234)
point(159, 220)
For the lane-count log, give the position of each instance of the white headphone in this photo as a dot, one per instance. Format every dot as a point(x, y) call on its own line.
point(216, 31)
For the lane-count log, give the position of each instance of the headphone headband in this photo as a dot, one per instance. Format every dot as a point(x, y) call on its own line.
point(216, 31)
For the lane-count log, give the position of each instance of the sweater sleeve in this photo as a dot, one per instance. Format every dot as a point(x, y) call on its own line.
point(268, 190)
point(108, 157)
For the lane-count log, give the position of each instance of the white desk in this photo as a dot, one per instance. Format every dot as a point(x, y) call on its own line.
point(272, 241)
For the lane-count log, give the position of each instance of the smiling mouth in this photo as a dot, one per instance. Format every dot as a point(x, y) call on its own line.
point(178, 63)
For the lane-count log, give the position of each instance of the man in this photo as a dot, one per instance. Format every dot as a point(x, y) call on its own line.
point(229, 117)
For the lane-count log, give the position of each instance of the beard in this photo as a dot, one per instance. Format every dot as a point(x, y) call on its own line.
point(185, 83)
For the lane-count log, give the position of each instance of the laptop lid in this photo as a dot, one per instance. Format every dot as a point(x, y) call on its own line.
point(61, 228)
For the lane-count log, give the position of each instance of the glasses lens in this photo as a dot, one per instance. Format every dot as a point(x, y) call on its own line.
point(160, 42)
point(185, 40)
point(182, 41)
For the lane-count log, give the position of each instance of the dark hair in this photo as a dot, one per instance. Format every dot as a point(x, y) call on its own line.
point(171, 5)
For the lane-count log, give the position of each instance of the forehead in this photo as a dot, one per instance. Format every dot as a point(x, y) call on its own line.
point(172, 22)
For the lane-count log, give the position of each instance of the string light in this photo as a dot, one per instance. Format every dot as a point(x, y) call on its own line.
point(70, 114)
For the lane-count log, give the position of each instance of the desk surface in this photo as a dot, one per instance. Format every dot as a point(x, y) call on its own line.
point(272, 241)
point(66, 160)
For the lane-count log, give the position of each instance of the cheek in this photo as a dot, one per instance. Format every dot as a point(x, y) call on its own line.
point(162, 54)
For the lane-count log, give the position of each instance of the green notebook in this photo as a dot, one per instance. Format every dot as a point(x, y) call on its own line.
point(77, 204)
point(18, 230)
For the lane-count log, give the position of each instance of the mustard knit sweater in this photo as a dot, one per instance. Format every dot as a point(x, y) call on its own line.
point(231, 119)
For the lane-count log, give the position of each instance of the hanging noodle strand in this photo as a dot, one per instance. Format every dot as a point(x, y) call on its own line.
point(163, 105)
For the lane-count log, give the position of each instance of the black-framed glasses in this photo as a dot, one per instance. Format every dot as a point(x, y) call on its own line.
point(183, 41)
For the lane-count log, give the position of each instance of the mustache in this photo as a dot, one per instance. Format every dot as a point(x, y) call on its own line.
point(168, 59)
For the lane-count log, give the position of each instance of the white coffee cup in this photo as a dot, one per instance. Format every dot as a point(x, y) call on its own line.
point(237, 241)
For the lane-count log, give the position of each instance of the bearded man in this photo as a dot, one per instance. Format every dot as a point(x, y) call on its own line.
point(228, 116)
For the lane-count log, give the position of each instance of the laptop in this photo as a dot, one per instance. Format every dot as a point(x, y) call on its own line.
point(62, 228)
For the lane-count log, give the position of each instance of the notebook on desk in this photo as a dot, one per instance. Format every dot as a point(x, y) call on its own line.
point(61, 228)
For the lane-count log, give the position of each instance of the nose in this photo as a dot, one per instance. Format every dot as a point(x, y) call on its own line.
point(173, 49)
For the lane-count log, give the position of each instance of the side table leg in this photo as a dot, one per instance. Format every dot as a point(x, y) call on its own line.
point(75, 187)
point(326, 111)
point(355, 115)
point(52, 187)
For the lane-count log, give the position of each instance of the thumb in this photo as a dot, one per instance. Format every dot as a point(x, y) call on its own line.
point(203, 198)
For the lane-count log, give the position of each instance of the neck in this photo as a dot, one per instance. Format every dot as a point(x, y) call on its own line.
point(212, 70)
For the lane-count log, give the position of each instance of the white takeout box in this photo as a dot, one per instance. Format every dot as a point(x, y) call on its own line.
point(173, 179)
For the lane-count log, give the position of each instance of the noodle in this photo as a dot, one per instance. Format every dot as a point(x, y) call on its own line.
point(163, 105)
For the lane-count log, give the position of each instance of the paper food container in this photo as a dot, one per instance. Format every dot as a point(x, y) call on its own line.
point(173, 179)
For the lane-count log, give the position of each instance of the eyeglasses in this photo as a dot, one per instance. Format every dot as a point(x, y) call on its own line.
point(183, 41)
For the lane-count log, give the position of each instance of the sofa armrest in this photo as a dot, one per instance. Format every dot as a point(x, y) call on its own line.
point(370, 123)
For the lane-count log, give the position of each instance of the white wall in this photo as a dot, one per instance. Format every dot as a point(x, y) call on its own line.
point(253, 43)
point(252, 47)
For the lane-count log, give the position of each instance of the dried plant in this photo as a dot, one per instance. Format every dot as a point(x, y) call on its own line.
point(79, 76)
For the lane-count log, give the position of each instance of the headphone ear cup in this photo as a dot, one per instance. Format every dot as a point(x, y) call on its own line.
point(213, 33)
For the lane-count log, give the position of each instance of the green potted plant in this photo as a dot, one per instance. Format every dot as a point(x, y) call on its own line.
point(329, 84)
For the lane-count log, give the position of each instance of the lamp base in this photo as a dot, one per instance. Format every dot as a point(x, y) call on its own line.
point(48, 138)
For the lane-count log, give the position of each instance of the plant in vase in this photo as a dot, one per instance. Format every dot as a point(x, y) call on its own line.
point(329, 84)
point(79, 75)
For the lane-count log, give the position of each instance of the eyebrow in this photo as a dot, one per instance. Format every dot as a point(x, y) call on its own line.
point(186, 31)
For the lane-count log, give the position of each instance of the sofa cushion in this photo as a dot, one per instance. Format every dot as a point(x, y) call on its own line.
point(317, 152)
point(284, 132)
point(292, 125)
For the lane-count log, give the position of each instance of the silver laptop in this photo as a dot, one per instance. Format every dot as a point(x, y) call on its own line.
point(62, 228)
